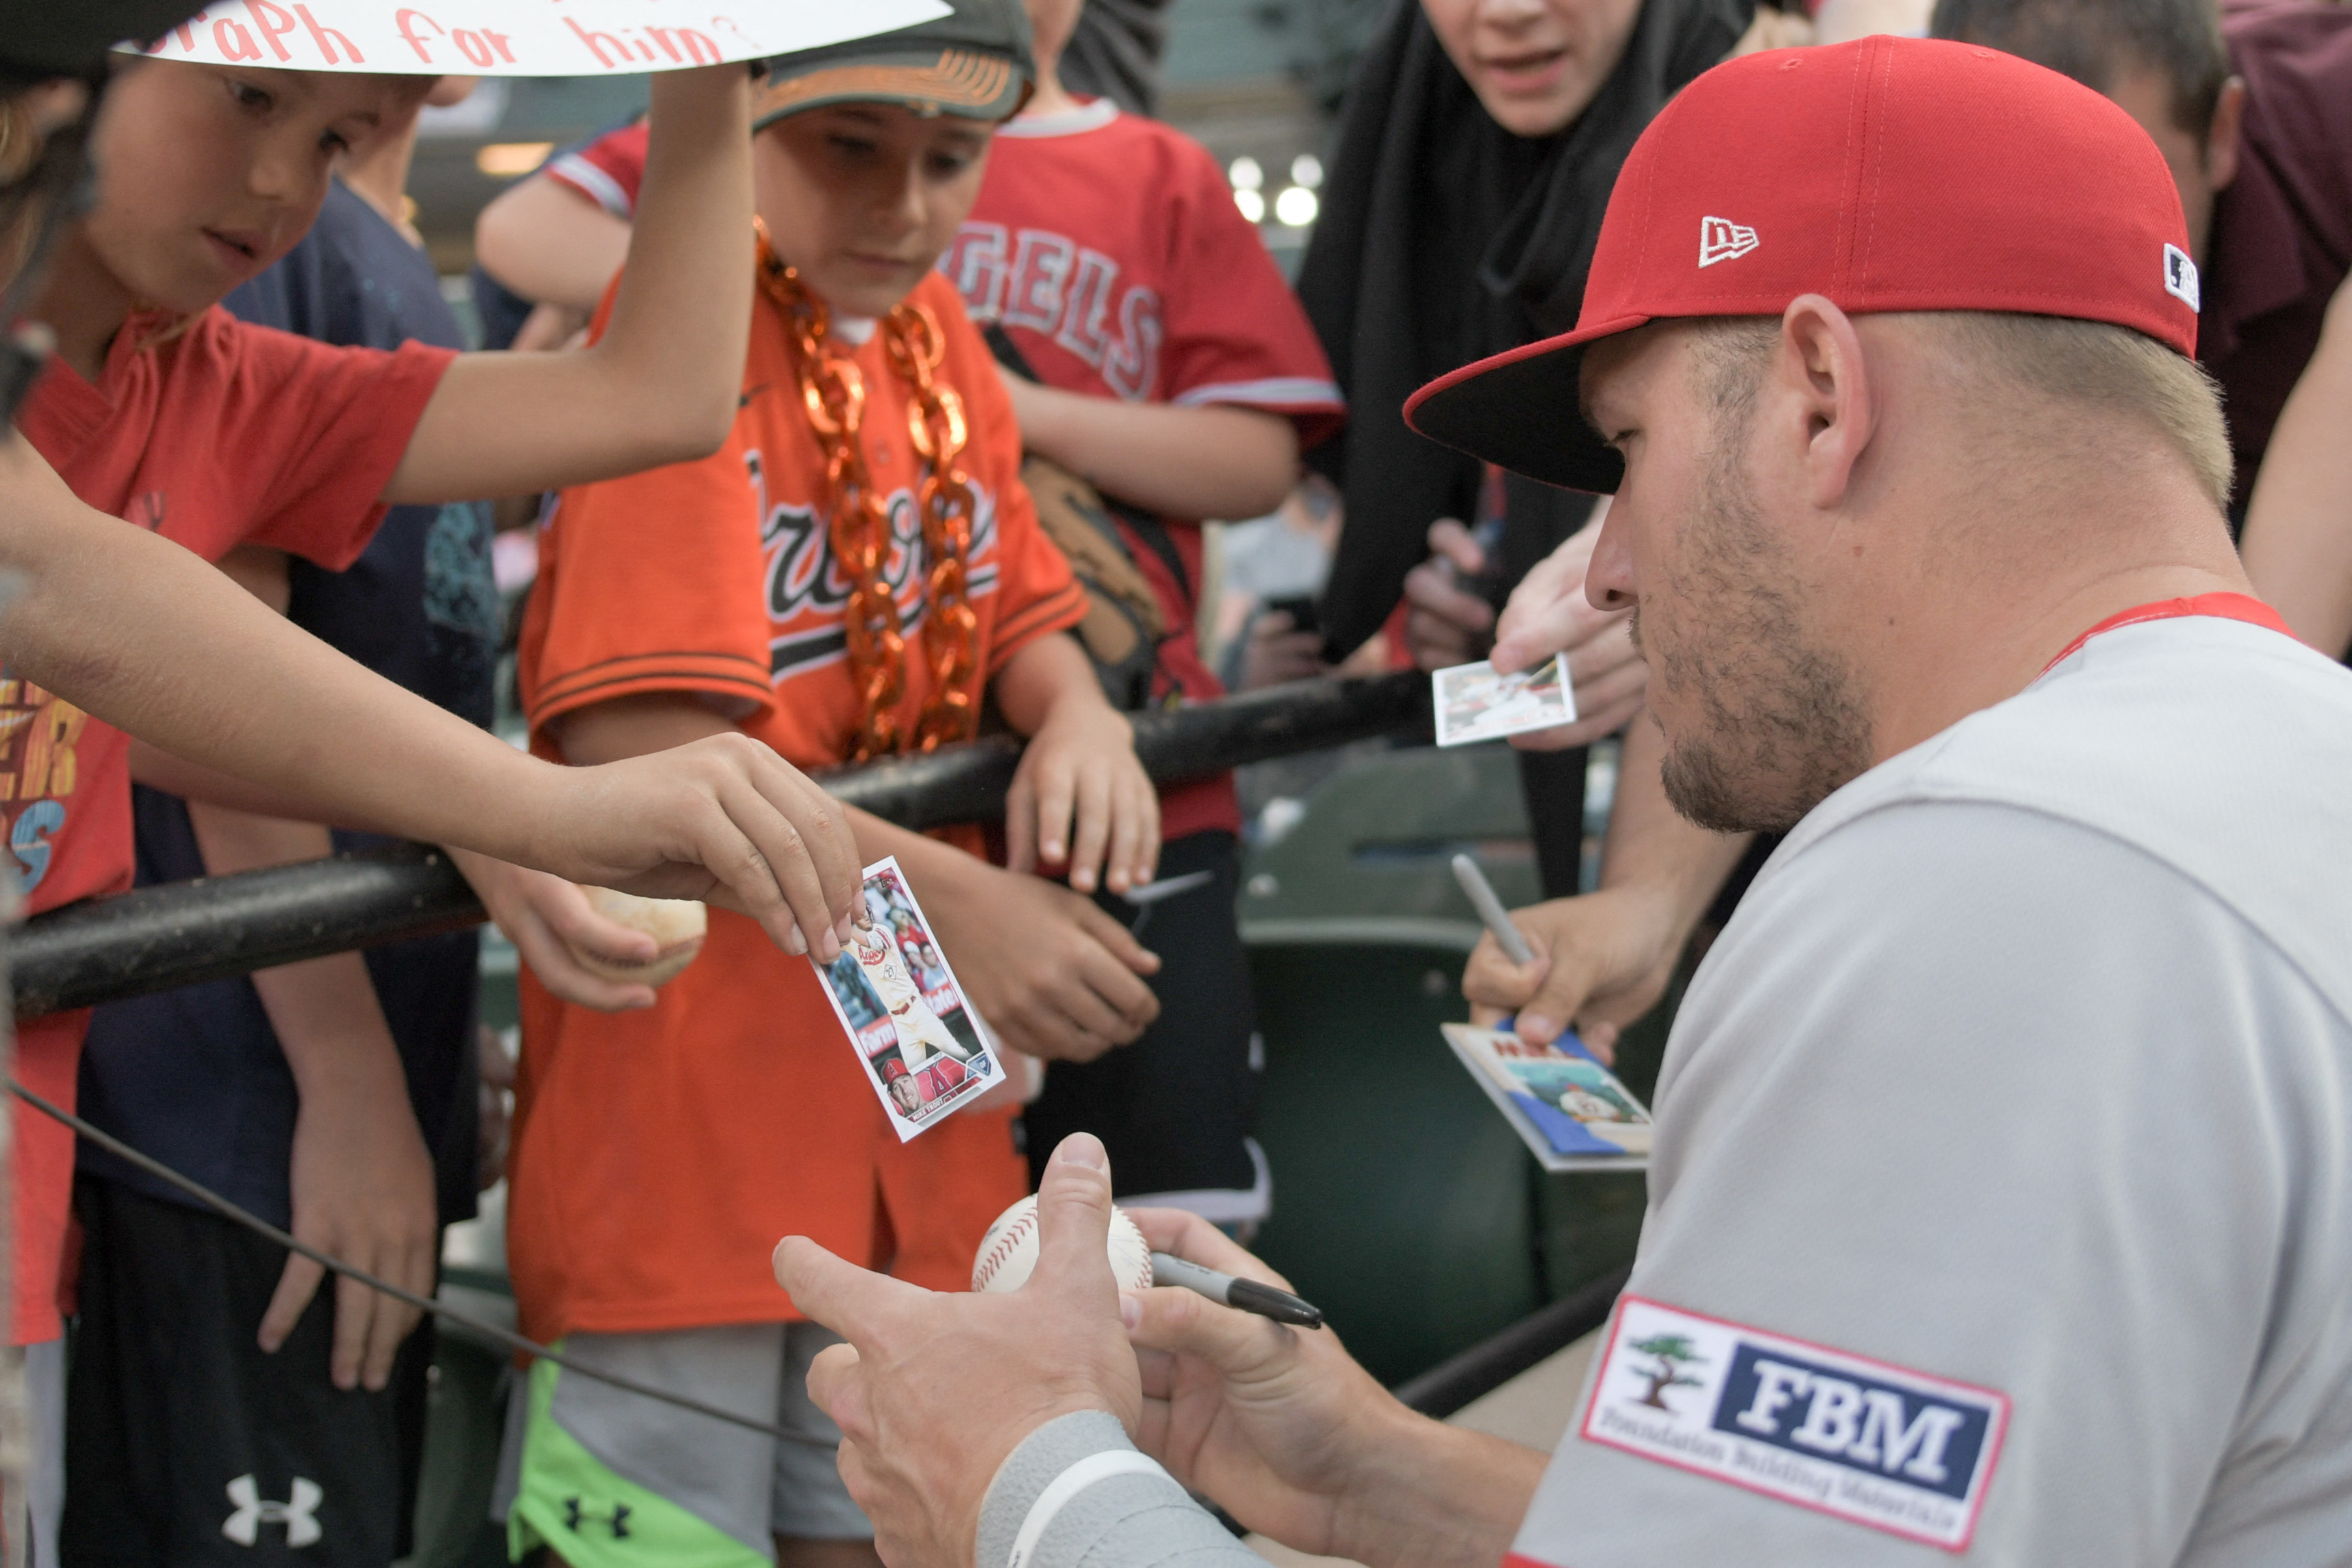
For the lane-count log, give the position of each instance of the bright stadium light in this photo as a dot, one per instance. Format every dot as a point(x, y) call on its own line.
point(1252, 204)
point(1244, 174)
point(506, 160)
point(1297, 206)
point(1306, 169)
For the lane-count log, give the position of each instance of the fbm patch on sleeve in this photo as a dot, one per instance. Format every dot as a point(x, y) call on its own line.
point(1881, 1446)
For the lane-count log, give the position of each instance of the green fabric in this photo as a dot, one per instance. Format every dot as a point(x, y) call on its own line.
point(569, 1499)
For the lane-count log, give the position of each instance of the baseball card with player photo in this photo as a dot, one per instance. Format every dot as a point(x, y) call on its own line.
point(924, 1048)
point(1567, 1107)
point(1474, 703)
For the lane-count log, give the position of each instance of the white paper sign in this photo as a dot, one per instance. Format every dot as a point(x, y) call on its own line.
point(522, 37)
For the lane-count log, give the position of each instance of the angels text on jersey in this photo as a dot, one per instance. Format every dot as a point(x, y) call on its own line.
point(1051, 284)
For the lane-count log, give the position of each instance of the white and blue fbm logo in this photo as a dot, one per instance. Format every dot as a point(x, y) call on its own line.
point(1877, 1427)
point(1881, 1446)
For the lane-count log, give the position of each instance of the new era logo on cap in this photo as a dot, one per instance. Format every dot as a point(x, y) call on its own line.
point(1720, 239)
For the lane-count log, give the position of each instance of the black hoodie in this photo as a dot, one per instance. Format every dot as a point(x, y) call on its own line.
point(1444, 238)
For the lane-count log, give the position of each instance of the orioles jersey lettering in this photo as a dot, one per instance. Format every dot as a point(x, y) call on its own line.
point(806, 587)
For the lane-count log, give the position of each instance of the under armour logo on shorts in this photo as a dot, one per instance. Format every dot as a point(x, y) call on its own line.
point(1720, 239)
point(575, 1515)
point(299, 1513)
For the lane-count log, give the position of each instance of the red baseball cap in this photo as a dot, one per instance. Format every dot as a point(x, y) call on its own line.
point(1884, 175)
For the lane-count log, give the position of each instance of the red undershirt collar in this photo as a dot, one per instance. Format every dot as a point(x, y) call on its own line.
point(2224, 606)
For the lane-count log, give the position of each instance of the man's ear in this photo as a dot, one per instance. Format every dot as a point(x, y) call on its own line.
point(1820, 372)
point(2221, 139)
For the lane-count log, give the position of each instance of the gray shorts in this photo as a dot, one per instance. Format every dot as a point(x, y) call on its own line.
point(605, 1475)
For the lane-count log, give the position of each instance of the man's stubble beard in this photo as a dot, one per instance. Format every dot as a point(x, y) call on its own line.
point(1783, 723)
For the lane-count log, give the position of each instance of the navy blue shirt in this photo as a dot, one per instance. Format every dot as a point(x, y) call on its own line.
point(196, 1077)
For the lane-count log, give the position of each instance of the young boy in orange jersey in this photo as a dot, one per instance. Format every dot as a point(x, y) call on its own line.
point(1164, 358)
point(161, 409)
point(841, 581)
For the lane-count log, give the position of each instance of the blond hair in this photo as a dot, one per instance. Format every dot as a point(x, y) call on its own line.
point(2057, 360)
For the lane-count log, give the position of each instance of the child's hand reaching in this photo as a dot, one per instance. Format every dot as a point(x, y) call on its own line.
point(1080, 799)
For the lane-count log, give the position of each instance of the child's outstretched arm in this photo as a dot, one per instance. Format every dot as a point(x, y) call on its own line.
point(659, 387)
point(112, 619)
point(1055, 977)
point(1079, 797)
point(1210, 462)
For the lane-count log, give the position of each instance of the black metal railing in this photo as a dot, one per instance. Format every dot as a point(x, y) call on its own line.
point(158, 939)
point(1491, 1363)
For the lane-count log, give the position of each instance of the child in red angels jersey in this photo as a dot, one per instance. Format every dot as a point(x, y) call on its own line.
point(841, 582)
point(1163, 359)
point(160, 408)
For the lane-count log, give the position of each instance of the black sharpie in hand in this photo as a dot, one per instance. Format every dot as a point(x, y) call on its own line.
point(1247, 1294)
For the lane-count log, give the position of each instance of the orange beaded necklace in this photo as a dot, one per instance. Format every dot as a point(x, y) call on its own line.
point(857, 521)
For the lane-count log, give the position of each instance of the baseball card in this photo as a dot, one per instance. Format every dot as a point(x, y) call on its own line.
point(1474, 703)
point(1569, 1108)
point(924, 1048)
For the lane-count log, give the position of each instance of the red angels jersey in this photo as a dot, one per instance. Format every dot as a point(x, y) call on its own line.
point(1108, 248)
point(608, 171)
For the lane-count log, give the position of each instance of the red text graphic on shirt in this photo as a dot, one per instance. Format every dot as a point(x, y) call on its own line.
point(212, 433)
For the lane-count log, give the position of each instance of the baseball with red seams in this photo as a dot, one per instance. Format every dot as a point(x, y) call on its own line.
point(1009, 1251)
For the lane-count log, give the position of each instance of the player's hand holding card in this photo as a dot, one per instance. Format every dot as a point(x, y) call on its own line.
point(925, 1050)
point(1475, 703)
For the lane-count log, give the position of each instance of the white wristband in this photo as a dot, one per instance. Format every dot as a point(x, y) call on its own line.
point(1070, 1483)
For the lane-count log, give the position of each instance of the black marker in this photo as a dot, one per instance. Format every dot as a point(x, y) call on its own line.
point(1224, 1289)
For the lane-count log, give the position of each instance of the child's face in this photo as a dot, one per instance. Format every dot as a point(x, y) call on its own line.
point(863, 198)
point(209, 173)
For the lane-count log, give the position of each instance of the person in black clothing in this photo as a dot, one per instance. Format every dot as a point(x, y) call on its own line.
point(1476, 155)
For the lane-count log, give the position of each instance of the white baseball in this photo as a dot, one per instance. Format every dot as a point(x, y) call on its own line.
point(1009, 1251)
point(679, 924)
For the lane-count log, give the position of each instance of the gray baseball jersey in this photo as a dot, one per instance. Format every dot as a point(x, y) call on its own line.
point(2001, 1199)
point(2001, 1204)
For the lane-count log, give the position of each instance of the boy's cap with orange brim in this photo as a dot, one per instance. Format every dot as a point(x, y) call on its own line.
point(974, 62)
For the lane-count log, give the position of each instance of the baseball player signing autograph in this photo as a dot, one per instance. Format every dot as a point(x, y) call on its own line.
point(2001, 1208)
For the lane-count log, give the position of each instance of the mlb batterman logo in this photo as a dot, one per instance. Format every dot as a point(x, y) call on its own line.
point(1882, 1446)
point(2180, 277)
point(1720, 239)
